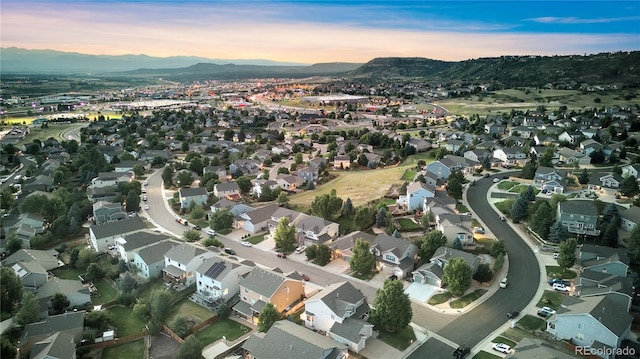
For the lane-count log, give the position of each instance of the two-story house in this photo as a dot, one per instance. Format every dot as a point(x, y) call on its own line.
point(449, 163)
point(246, 167)
point(261, 286)
point(511, 156)
point(455, 227)
point(104, 212)
point(550, 179)
point(608, 184)
point(309, 173)
point(197, 195)
point(340, 310)
point(316, 230)
point(102, 236)
point(394, 255)
point(149, 260)
point(226, 189)
point(632, 170)
point(579, 217)
point(341, 162)
point(181, 262)
point(630, 218)
point(604, 259)
point(289, 182)
point(416, 193)
point(218, 279)
point(108, 179)
point(257, 219)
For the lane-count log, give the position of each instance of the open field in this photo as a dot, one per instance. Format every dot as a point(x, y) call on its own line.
point(27, 120)
point(362, 186)
point(529, 99)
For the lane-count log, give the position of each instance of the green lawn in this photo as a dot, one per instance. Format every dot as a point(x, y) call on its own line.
point(504, 340)
point(225, 327)
point(439, 298)
point(556, 272)
point(106, 292)
point(256, 239)
point(485, 355)
point(125, 321)
point(408, 175)
point(551, 299)
point(507, 185)
point(406, 224)
point(150, 287)
point(400, 339)
point(188, 309)
point(521, 188)
point(530, 322)
point(504, 206)
point(467, 299)
point(131, 350)
point(67, 272)
point(461, 208)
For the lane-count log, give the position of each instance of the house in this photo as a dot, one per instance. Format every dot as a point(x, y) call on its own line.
point(570, 157)
point(607, 184)
point(197, 195)
point(261, 286)
point(342, 247)
point(429, 273)
point(150, 155)
point(181, 262)
point(309, 173)
point(477, 155)
point(60, 345)
point(604, 259)
point(47, 259)
point(315, 230)
point(289, 182)
point(629, 218)
point(259, 184)
point(340, 310)
point(218, 279)
point(101, 236)
point(443, 255)
point(244, 166)
point(550, 179)
point(419, 144)
point(599, 322)
point(108, 179)
point(71, 323)
point(342, 162)
point(590, 283)
point(454, 145)
point(455, 227)
point(632, 170)
point(589, 146)
point(77, 294)
point(511, 156)
point(494, 129)
point(373, 159)
point(578, 217)
point(128, 166)
point(226, 189)
point(127, 244)
point(106, 194)
point(432, 179)
point(570, 136)
point(219, 171)
point(449, 163)
point(149, 260)
point(416, 193)
point(256, 220)
point(286, 339)
point(104, 212)
point(31, 274)
point(394, 255)
point(318, 162)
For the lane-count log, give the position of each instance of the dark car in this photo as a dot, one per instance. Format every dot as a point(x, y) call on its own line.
point(503, 218)
point(461, 352)
point(505, 177)
point(229, 251)
point(197, 227)
point(512, 314)
point(304, 276)
point(281, 255)
point(393, 277)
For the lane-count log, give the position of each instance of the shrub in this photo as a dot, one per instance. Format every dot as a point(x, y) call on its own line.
point(497, 264)
point(483, 274)
point(125, 299)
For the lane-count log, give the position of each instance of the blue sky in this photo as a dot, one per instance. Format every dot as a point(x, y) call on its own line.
point(322, 31)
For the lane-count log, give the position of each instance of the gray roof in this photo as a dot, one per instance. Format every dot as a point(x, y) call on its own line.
point(55, 323)
point(184, 253)
point(60, 345)
point(419, 185)
point(286, 339)
point(192, 192)
point(106, 204)
point(349, 240)
point(224, 204)
point(216, 268)
point(227, 186)
point(64, 286)
point(603, 308)
point(386, 243)
point(351, 329)
point(339, 297)
point(533, 348)
point(311, 223)
point(155, 253)
point(579, 207)
point(606, 252)
point(142, 239)
point(631, 214)
point(262, 281)
point(116, 228)
point(448, 253)
point(47, 259)
point(262, 214)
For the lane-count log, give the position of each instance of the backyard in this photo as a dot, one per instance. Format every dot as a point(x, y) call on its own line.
point(407, 224)
point(231, 329)
point(131, 350)
point(125, 321)
point(189, 310)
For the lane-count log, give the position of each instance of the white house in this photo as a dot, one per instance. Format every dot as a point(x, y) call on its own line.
point(219, 279)
point(181, 262)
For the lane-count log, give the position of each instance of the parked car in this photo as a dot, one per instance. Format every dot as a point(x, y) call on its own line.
point(504, 282)
point(513, 314)
point(556, 255)
point(146, 206)
point(393, 277)
point(502, 348)
point(281, 255)
point(197, 227)
point(210, 232)
point(546, 312)
point(246, 244)
point(461, 352)
point(553, 281)
point(301, 249)
point(478, 230)
point(496, 180)
point(505, 177)
point(230, 251)
point(486, 175)
point(503, 218)
point(304, 276)
point(560, 287)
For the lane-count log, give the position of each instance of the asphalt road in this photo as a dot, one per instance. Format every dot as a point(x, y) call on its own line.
point(523, 274)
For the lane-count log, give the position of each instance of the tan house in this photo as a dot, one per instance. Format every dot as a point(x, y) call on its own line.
point(342, 162)
point(261, 286)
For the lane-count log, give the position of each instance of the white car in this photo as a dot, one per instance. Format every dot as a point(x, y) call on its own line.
point(478, 230)
point(210, 232)
point(560, 287)
point(504, 282)
point(301, 249)
point(502, 348)
point(496, 180)
point(146, 206)
point(246, 244)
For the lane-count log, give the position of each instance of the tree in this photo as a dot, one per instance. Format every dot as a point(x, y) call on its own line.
point(362, 261)
point(391, 307)
point(323, 255)
point(584, 177)
point(497, 248)
point(191, 235)
point(190, 348)
point(285, 235)
point(430, 243)
point(327, 206)
point(542, 219)
point(159, 304)
point(282, 200)
point(180, 326)
point(457, 276)
point(220, 219)
point(609, 233)
point(529, 170)
point(85, 257)
point(347, 208)
point(483, 274)
point(7, 349)
point(29, 311)
point(94, 272)
point(13, 244)
point(184, 178)
point(629, 186)
point(633, 244)
point(363, 217)
point(244, 183)
point(10, 289)
point(268, 316)
point(59, 303)
point(567, 253)
point(457, 244)
point(99, 320)
point(167, 176)
point(133, 201)
point(223, 311)
point(519, 209)
point(381, 217)
point(6, 199)
point(547, 157)
point(424, 221)
point(557, 232)
point(529, 194)
point(127, 284)
point(454, 188)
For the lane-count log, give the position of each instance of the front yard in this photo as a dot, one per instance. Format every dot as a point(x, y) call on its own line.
point(557, 272)
point(467, 299)
point(551, 299)
point(400, 339)
point(531, 322)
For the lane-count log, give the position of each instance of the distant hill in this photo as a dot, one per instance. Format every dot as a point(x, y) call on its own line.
point(619, 67)
point(16, 60)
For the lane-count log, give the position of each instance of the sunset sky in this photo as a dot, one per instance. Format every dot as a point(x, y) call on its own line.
point(322, 31)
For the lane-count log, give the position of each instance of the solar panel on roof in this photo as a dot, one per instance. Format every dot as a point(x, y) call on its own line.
point(215, 269)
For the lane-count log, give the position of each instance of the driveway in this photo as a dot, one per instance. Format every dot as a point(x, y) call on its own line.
point(421, 292)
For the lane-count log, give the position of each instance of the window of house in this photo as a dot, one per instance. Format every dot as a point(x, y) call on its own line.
point(389, 257)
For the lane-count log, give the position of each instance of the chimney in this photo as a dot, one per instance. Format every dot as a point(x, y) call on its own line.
point(290, 346)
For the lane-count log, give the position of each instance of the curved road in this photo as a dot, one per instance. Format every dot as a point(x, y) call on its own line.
point(524, 277)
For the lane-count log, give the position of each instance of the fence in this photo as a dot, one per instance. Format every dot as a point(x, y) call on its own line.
point(201, 325)
point(173, 335)
point(110, 343)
